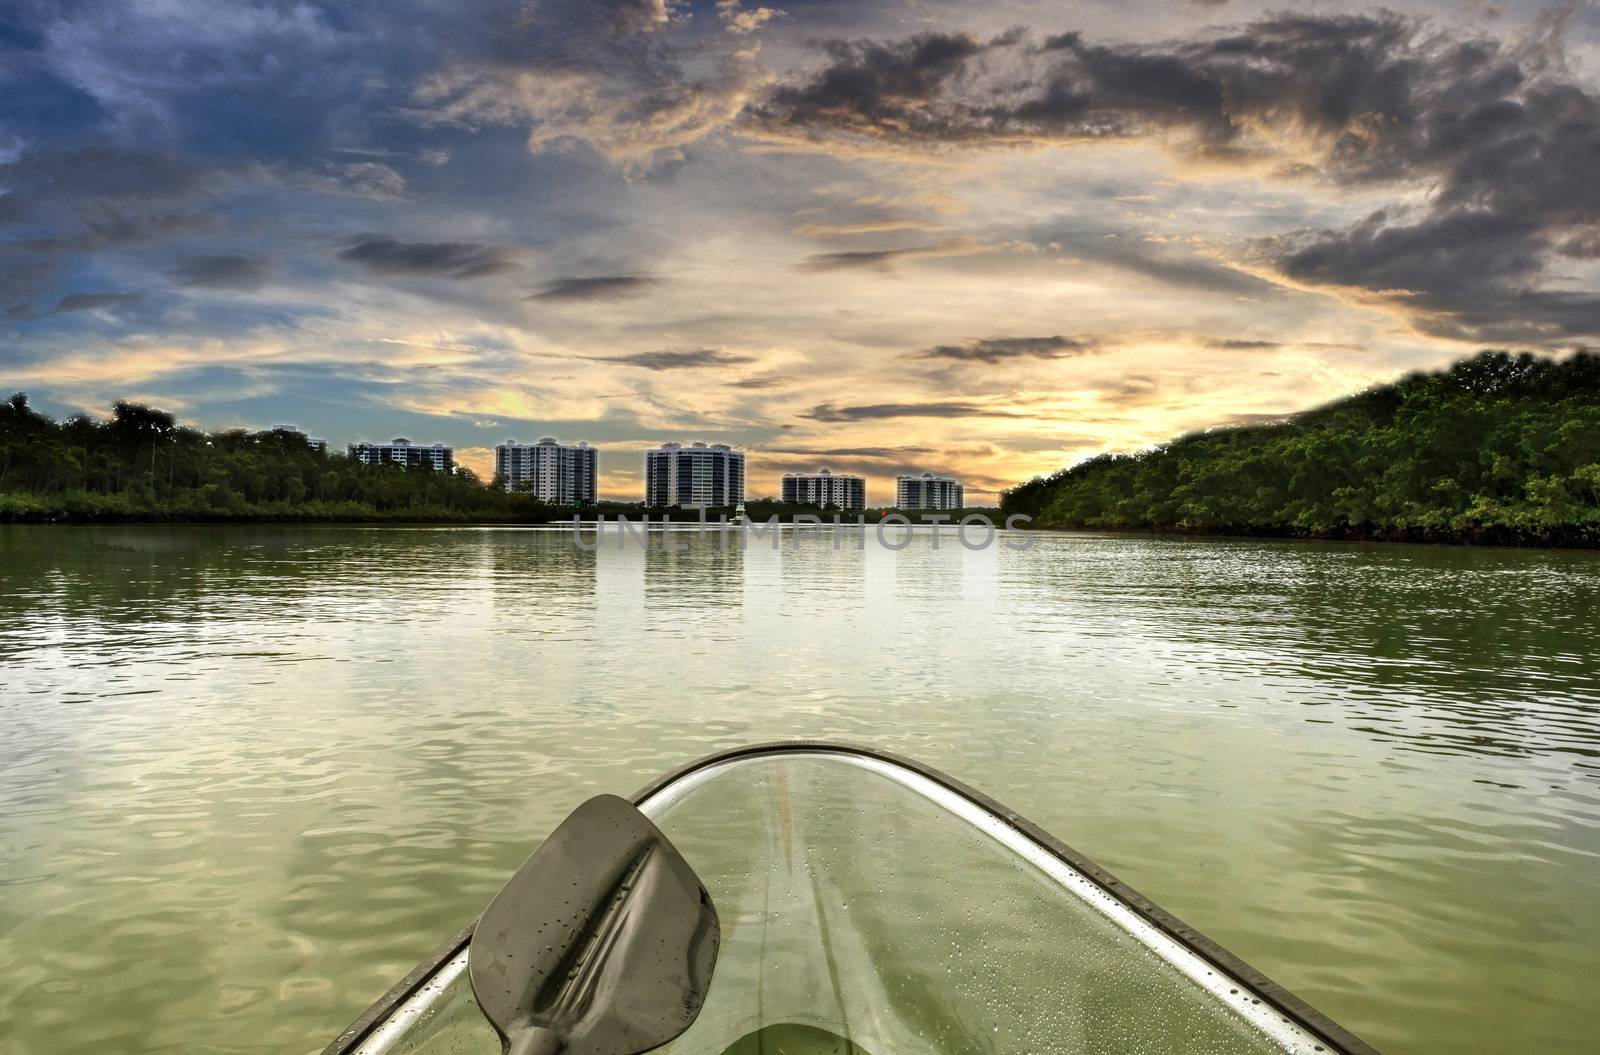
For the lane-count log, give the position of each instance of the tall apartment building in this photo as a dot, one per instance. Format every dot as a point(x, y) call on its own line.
point(696, 475)
point(559, 473)
point(825, 488)
point(402, 452)
point(928, 492)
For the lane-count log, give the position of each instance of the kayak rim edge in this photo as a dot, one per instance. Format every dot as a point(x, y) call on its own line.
point(1339, 1041)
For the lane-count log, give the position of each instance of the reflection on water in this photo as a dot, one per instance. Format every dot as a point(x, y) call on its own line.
point(248, 776)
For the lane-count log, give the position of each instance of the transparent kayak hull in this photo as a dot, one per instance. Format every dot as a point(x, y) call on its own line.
point(872, 905)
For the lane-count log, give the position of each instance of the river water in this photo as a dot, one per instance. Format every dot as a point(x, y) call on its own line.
point(250, 775)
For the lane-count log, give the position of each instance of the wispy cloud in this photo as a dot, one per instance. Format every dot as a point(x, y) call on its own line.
point(455, 260)
point(994, 350)
point(851, 452)
point(595, 287)
point(222, 271)
point(880, 411)
point(76, 302)
point(837, 230)
point(607, 73)
point(678, 360)
point(758, 383)
point(1241, 344)
point(884, 259)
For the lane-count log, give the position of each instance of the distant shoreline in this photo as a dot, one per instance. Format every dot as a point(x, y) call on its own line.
point(1498, 539)
point(556, 518)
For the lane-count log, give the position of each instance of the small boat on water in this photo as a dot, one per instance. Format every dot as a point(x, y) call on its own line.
point(822, 899)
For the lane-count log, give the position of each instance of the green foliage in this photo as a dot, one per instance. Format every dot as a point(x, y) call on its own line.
point(142, 465)
point(1498, 448)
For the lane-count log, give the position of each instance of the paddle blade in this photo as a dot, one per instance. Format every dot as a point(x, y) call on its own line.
point(602, 943)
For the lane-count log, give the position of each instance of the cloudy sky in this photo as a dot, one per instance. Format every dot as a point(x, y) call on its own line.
point(878, 235)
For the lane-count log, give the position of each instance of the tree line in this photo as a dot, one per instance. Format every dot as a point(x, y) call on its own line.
point(1498, 448)
point(141, 464)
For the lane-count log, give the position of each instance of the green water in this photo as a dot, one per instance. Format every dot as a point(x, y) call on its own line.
point(249, 776)
point(793, 1040)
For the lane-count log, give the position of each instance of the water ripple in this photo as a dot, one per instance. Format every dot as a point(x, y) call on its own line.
point(250, 775)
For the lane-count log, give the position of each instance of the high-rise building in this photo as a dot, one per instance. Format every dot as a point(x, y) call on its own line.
point(558, 473)
point(402, 452)
point(696, 475)
point(825, 488)
point(928, 492)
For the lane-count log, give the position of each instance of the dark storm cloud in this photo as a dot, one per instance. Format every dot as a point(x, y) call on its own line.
point(871, 86)
point(222, 271)
point(1584, 246)
point(1506, 139)
point(596, 287)
point(685, 360)
point(1513, 148)
point(878, 411)
point(999, 349)
point(1468, 274)
point(455, 260)
point(1311, 73)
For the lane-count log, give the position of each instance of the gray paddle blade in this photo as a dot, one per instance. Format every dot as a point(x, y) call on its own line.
point(601, 944)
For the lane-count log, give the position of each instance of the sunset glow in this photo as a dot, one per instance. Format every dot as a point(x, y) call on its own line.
point(984, 240)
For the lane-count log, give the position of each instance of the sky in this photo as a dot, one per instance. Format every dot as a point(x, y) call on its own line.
point(882, 236)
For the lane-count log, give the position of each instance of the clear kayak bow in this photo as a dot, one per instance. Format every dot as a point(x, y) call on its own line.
point(870, 905)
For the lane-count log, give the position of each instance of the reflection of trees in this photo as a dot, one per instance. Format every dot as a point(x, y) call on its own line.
point(154, 576)
point(1454, 649)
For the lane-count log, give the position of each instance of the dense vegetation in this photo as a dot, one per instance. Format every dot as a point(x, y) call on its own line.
point(1498, 448)
point(142, 465)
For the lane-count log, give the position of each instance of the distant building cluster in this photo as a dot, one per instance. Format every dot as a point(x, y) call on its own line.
point(690, 476)
point(825, 488)
point(402, 452)
point(928, 492)
point(557, 473)
point(696, 476)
